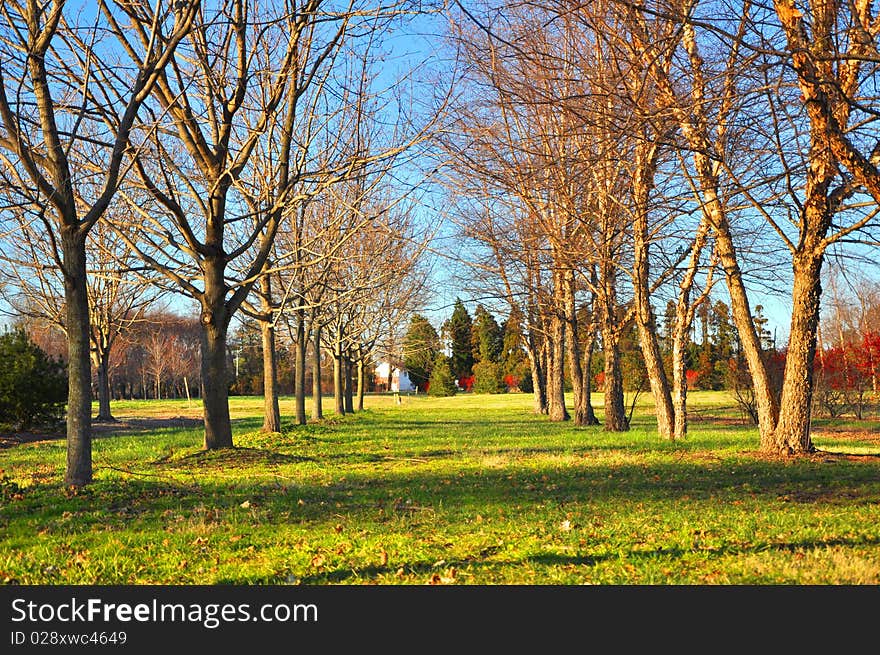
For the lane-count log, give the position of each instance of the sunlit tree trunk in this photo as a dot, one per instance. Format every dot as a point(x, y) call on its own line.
point(271, 411)
point(317, 395)
point(300, 367)
point(79, 381)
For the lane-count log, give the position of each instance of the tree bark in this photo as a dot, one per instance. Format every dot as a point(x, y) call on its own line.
point(650, 345)
point(271, 411)
point(765, 397)
point(338, 382)
point(79, 380)
point(614, 409)
point(645, 321)
point(348, 386)
point(792, 435)
point(580, 386)
point(555, 370)
point(539, 383)
point(588, 378)
point(679, 382)
point(299, 373)
point(361, 382)
point(215, 323)
point(615, 412)
point(317, 400)
point(103, 366)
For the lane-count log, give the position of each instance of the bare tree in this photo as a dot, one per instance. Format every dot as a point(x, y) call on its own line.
point(832, 47)
point(68, 103)
point(255, 79)
point(117, 295)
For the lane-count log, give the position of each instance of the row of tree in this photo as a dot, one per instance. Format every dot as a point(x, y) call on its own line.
point(604, 158)
point(240, 153)
point(612, 157)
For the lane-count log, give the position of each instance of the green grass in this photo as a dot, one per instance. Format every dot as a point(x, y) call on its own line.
point(463, 490)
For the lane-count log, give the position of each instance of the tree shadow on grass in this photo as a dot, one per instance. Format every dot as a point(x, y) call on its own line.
point(358, 494)
point(237, 457)
point(548, 559)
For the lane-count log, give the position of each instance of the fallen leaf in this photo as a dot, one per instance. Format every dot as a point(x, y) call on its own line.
point(245, 504)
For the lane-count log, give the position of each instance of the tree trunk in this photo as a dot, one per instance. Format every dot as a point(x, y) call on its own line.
point(317, 402)
point(299, 373)
point(79, 379)
point(588, 379)
point(555, 370)
point(792, 433)
point(271, 412)
point(643, 182)
point(539, 382)
point(348, 386)
point(361, 383)
point(647, 325)
point(615, 412)
point(663, 407)
point(579, 386)
point(215, 322)
point(679, 382)
point(765, 397)
point(104, 413)
point(338, 382)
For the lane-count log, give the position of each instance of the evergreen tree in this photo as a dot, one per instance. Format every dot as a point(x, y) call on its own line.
point(488, 378)
point(515, 368)
point(441, 382)
point(767, 340)
point(487, 338)
point(421, 345)
point(457, 331)
point(33, 385)
point(723, 332)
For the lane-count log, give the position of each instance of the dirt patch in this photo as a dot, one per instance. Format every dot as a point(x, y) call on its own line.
point(868, 436)
point(820, 456)
point(831, 496)
point(11, 439)
point(134, 425)
point(231, 458)
point(103, 429)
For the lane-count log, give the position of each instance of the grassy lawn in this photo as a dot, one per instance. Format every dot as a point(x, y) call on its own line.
point(465, 490)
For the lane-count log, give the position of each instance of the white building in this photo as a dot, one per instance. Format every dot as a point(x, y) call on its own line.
point(399, 379)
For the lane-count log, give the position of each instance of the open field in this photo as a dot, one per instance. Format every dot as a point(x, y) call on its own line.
point(464, 490)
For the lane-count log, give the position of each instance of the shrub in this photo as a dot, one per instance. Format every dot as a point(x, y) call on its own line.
point(441, 382)
point(33, 385)
point(487, 378)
